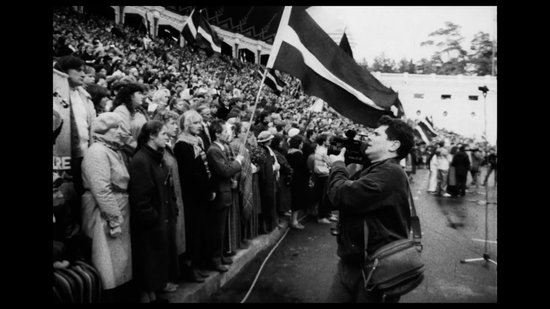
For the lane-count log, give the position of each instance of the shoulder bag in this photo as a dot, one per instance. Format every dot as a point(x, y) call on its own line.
point(397, 267)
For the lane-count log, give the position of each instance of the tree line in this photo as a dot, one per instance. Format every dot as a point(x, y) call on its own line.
point(449, 58)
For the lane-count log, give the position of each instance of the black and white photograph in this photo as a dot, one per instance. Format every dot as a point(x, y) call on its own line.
point(275, 154)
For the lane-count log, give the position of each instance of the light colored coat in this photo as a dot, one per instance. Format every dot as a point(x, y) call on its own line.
point(105, 205)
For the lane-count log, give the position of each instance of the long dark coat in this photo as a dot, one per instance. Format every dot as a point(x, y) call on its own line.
point(196, 189)
point(267, 191)
point(300, 179)
point(153, 220)
point(461, 163)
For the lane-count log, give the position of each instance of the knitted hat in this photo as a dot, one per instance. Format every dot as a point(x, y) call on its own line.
point(265, 136)
point(105, 121)
point(293, 131)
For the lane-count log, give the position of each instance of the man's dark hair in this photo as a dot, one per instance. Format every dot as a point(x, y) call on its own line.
point(321, 139)
point(151, 127)
point(351, 134)
point(65, 63)
point(215, 127)
point(398, 130)
point(295, 141)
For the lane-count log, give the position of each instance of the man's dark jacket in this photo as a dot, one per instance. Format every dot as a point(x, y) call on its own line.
point(378, 194)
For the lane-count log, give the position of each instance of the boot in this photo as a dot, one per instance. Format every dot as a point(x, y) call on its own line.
point(226, 260)
point(216, 264)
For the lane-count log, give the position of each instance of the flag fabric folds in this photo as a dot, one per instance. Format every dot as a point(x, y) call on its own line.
point(198, 31)
point(344, 44)
point(424, 130)
point(302, 49)
point(274, 82)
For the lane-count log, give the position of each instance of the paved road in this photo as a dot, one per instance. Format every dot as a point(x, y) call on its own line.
point(301, 268)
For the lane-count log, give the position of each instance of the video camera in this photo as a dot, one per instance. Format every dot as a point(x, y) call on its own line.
point(353, 149)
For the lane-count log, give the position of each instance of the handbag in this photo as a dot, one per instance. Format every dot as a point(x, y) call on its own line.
point(397, 267)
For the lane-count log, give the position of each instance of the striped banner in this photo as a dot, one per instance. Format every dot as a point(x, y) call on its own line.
point(302, 49)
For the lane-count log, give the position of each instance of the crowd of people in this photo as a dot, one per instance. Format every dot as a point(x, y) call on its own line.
point(170, 177)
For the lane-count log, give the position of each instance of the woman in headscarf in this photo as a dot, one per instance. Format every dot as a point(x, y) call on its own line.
point(105, 203)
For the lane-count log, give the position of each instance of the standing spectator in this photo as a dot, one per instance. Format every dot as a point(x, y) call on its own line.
point(204, 111)
point(492, 162)
point(249, 211)
point(432, 183)
point(475, 167)
point(442, 170)
point(451, 178)
point(286, 173)
point(153, 215)
point(197, 192)
point(269, 173)
point(461, 163)
point(127, 104)
point(159, 103)
point(300, 179)
point(321, 170)
point(170, 119)
point(82, 116)
point(222, 171)
point(106, 209)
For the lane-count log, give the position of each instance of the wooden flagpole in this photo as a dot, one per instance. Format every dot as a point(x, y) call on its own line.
point(253, 111)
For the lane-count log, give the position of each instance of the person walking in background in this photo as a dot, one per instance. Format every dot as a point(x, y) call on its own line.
point(432, 184)
point(475, 167)
point(461, 164)
point(105, 205)
point(153, 215)
point(451, 176)
point(442, 170)
point(492, 162)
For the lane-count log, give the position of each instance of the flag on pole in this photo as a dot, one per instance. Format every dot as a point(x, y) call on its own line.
point(304, 50)
point(198, 31)
point(344, 44)
point(424, 130)
point(273, 81)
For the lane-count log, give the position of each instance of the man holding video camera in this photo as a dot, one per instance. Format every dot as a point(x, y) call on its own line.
point(378, 194)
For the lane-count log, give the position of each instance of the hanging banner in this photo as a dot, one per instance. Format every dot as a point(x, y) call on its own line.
point(62, 146)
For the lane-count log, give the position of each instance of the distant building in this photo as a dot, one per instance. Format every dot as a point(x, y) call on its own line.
point(454, 102)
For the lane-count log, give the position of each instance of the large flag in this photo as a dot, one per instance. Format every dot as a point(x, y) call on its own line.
point(302, 49)
point(198, 31)
point(273, 81)
point(424, 130)
point(344, 44)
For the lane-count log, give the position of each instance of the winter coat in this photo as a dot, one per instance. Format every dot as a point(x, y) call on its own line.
point(380, 195)
point(461, 163)
point(222, 171)
point(105, 208)
point(153, 216)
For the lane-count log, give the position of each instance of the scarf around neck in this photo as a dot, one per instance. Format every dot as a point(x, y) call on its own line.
point(194, 140)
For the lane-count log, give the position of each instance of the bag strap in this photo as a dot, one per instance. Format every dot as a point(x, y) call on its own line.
point(414, 227)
